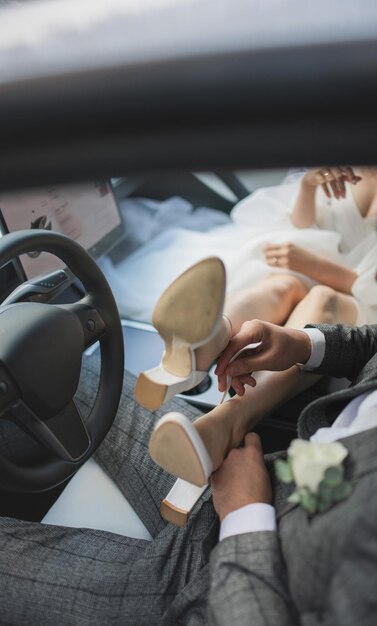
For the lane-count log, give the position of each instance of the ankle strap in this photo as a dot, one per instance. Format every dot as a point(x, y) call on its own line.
point(230, 323)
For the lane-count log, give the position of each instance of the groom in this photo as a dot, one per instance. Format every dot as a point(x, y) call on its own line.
point(274, 564)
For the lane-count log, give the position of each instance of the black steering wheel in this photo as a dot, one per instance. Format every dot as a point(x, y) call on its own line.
point(41, 347)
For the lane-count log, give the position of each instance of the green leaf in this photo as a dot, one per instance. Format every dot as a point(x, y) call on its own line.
point(334, 476)
point(283, 471)
point(294, 498)
point(342, 491)
point(324, 505)
point(325, 492)
point(309, 502)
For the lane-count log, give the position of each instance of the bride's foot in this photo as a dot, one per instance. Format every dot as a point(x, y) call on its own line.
point(189, 318)
point(177, 447)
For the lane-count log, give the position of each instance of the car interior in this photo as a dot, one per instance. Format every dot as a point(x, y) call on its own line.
point(96, 215)
point(165, 130)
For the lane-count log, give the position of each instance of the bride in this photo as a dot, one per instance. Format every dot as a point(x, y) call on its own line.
point(332, 279)
point(333, 228)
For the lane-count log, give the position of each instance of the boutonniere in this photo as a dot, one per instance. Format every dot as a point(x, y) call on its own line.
point(317, 470)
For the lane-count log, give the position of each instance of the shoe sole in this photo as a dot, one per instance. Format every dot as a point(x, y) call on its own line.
point(185, 316)
point(171, 448)
point(187, 312)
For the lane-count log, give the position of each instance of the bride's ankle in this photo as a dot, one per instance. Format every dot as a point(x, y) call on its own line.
point(225, 428)
point(216, 437)
point(206, 355)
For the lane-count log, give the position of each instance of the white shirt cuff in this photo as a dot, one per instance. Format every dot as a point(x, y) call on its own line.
point(318, 341)
point(248, 519)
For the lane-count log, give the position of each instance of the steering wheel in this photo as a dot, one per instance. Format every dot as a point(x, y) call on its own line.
point(41, 347)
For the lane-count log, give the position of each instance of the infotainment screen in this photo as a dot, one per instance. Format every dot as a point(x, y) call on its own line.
point(87, 213)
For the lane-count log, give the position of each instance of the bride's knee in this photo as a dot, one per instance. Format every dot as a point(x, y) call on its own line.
point(323, 301)
point(286, 286)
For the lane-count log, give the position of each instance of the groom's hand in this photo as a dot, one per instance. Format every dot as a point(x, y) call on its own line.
point(279, 348)
point(241, 479)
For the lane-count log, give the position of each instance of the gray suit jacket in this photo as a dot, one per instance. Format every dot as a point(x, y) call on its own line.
point(319, 570)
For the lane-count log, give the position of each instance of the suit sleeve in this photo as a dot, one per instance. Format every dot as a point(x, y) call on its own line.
point(248, 583)
point(348, 349)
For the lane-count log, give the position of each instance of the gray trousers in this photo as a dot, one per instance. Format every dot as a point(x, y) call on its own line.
point(68, 576)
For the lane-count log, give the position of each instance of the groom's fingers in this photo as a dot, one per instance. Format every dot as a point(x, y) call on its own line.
point(252, 439)
point(222, 382)
point(238, 387)
point(235, 345)
point(241, 366)
point(248, 379)
point(241, 341)
point(238, 384)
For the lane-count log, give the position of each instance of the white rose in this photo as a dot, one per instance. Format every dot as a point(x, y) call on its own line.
point(309, 461)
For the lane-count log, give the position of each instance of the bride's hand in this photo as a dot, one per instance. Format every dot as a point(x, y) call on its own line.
point(289, 256)
point(331, 179)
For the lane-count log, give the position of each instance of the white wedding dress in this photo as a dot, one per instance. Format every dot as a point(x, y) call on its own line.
point(340, 233)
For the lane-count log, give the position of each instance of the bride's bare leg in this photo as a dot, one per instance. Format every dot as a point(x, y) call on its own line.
point(272, 300)
point(324, 305)
point(225, 426)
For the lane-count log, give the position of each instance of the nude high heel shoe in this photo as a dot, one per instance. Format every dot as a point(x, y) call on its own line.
point(177, 447)
point(187, 316)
